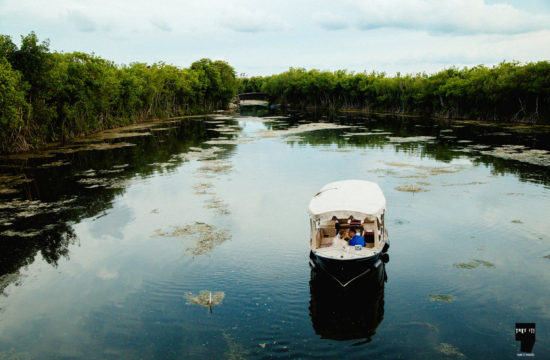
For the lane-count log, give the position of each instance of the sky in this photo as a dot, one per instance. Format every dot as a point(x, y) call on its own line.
point(268, 37)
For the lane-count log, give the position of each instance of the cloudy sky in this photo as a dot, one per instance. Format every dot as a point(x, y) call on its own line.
point(266, 37)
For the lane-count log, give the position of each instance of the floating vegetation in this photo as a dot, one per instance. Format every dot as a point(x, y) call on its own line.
point(9, 182)
point(111, 135)
point(397, 139)
point(413, 188)
point(515, 194)
point(425, 183)
point(7, 191)
point(474, 264)
point(498, 133)
point(201, 188)
point(516, 221)
point(216, 166)
point(546, 257)
point(337, 150)
point(198, 153)
point(520, 153)
point(110, 171)
point(218, 205)
point(94, 146)
point(397, 164)
point(205, 298)
point(155, 211)
point(27, 233)
point(206, 237)
point(449, 350)
point(55, 163)
point(367, 133)
point(293, 138)
point(94, 182)
point(465, 184)
point(300, 129)
point(414, 176)
point(241, 140)
point(441, 297)
point(439, 171)
point(235, 351)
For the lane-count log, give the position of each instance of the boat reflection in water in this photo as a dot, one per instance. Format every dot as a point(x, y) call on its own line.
point(347, 313)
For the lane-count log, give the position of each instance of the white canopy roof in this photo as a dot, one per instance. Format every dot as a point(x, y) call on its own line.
point(358, 198)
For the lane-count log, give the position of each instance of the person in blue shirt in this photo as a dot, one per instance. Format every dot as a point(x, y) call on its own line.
point(356, 239)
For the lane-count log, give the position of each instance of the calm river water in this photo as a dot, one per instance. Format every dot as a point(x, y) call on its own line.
point(105, 249)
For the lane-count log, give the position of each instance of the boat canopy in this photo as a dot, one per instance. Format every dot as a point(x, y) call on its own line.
point(358, 198)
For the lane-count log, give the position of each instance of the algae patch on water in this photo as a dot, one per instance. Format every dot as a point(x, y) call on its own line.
point(205, 237)
point(397, 139)
point(412, 188)
point(202, 188)
point(205, 298)
point(441, 297)
point(449, 350)
point(520, 153)
point(474, 264)
point(9, 182)
point(218, 205)
point(216, 167)
point(235, 351)
point(300, 129)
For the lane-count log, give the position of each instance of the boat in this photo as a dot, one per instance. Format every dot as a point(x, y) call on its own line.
point(341, 205)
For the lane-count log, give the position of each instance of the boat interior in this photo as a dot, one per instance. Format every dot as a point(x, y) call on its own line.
point(325, 233)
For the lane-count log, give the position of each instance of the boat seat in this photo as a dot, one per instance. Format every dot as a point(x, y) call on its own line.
point(328, 231)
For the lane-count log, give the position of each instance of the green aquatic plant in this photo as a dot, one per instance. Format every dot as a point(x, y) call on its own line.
point(516, 221)
point(201, 188)
point(412, 188)
point(235, 351)
point(474, 264)
point(449, 350)
point(441, 297)
point(205, 237)
point(218, 205)
point(205, 298)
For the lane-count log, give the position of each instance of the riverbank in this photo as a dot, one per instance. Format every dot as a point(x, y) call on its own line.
point(56, 97)
point(507, 92)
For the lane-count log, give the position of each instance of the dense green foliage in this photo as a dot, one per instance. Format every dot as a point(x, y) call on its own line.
point(507, 92)
point(49, 96)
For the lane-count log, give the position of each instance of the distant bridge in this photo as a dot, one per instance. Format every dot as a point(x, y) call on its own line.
point(254, 96)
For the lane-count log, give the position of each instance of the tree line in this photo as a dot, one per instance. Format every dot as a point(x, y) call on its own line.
point(49, 96)
point(509, 91)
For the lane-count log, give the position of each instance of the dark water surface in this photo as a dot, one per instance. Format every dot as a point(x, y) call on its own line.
point(104, 253)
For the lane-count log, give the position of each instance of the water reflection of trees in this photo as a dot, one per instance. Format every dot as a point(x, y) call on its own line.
point(443, 147)
point(54, 232)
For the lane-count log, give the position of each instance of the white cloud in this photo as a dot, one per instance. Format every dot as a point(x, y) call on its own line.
point(330, 21)
point(449, 16)
point(82, 22)
point(161, 24)
point(253, 21)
